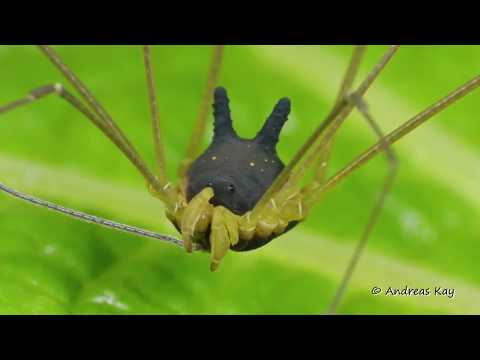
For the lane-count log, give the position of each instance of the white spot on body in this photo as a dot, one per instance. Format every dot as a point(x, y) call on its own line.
point(252, 164)
point(109, 298)
point(214, 158)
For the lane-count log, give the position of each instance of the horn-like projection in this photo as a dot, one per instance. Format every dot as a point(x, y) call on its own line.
point(270, 131)
point(221, 112)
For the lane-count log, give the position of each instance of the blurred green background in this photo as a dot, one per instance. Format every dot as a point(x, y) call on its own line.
point(427, 236)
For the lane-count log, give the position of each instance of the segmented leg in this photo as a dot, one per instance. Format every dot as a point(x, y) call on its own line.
point(224, 234)
point(78, 215)
point(298, 173)
point(286, 185)
point(58, 89)
point(201, 122)
point(109, 127)
point(319, 190)
point(177, 198)
point(316, 192)
point(373, 218)
point(347, 83)
point(195, 218)
point(155, 116)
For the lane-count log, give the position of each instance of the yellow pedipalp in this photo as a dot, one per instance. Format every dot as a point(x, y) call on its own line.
point(224, 233)
point(196, 217)
point(284, 207)
point(246, 226)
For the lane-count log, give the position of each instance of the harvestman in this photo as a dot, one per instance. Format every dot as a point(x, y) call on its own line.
point(254, 197)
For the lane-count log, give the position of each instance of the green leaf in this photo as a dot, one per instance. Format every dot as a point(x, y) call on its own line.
point(427, 236)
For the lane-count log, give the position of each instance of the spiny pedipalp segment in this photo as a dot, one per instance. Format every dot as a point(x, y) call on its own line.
point(196, 218)
point(332, 122)
point(283, 208)
point(218, 229)
point(223, 234)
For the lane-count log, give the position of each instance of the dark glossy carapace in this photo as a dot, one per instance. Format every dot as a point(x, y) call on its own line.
point(239, 170)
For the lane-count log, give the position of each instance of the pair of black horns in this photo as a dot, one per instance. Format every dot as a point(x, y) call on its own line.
point(270, 131)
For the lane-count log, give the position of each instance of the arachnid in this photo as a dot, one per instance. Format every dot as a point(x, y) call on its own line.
point(237, 194)
point(227, 181)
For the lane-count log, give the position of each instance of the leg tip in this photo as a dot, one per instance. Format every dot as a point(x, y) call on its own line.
point(187, 245)
point(214, 266)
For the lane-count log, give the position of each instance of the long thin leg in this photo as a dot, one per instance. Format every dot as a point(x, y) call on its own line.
point(332, 122)
point(321, 154)
point(320, 189)
point(89, 218)
point(351, 73)
point(201, 122)
point(114, 132)
point(347, 83)
point(393, 163)
point(155, 116)
point(315, 194)
point(58, 89)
